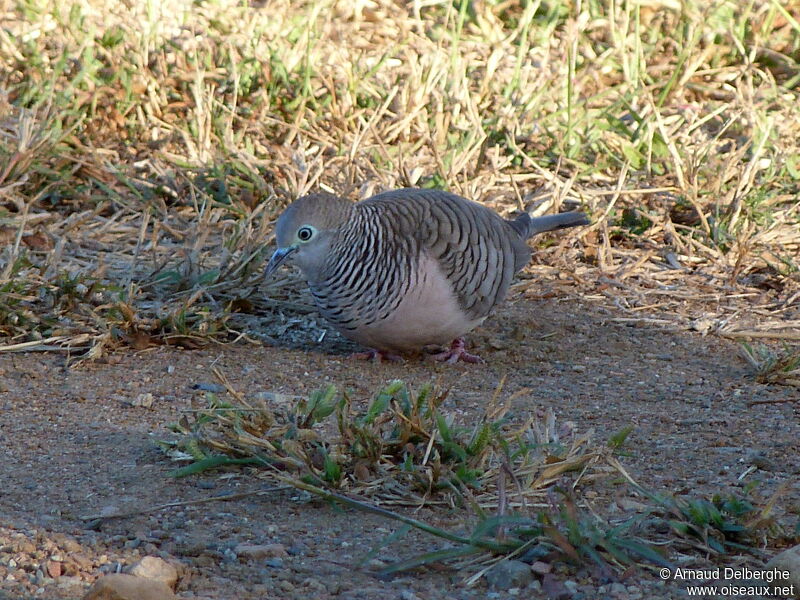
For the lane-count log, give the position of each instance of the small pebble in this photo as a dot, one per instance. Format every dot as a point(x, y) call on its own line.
point(787, 561)
point(509, 574)
point(70, 581)
point(259, 551)
point(209, 387)
point(297, 549)
point(618, 589)
point(540, 568)
point(151, 567)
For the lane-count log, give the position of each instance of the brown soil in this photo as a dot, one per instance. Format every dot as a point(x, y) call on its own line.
point(74, 443)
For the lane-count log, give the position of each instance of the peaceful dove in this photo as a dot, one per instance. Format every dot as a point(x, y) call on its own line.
point(409, 268)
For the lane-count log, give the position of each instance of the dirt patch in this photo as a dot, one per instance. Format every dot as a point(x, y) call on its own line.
point(75, 443)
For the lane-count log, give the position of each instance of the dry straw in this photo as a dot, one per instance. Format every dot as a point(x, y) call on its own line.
point(145, 149)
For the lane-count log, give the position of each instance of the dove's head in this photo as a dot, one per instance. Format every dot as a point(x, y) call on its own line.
point(306, 229)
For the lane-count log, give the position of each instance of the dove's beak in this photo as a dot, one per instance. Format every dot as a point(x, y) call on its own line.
point(278, 258)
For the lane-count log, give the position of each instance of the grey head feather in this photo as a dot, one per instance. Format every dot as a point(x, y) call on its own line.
point(321, 210)
point(323, 215)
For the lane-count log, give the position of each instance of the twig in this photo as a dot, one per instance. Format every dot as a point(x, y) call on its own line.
point(751, 333)
point(371, 508)
point(150, 509)
point(771, 401)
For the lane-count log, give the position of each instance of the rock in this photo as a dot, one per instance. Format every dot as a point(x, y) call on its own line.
point(67, 543)
point(635, 592)
point(229, 555)
point(788, 560)
point(535, 587)
point(152, 567)
point(760, 460)
point(109, 511)
point(76, 562)
point(618, 590)
point(122, 586)
point(53, 568)
point(24, 547)
point(554, 589)
point(204, 560)
point(69, 581)
point(631, 505)
point(259, 551)
point(203, 386)
point(144, 400)
point(298, 549)
point(541, 568)
point(314, 585)
point(509, 574)
point(538, 552)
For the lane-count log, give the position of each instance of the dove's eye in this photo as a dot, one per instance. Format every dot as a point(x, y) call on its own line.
point(305, 233)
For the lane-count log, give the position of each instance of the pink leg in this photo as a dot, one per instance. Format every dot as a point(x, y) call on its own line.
point(377, 356)
point(457, 352)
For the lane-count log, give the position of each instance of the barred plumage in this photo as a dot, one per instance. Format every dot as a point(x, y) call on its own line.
point(406, 268)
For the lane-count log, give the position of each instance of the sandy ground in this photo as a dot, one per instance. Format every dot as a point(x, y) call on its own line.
point(73, 444)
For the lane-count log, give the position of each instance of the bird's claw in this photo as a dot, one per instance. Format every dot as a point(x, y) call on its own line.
point(457, 352)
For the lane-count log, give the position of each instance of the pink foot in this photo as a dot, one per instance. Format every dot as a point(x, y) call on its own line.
point(457, 352)
point(377, 356)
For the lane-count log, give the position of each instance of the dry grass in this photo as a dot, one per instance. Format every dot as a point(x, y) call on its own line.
point(400, 450)
point(145, 150)
point(538, 487)
point(773, 367)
